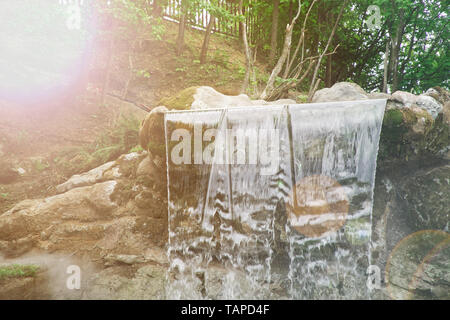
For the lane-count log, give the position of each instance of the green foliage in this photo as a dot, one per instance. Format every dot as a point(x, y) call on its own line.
point(137, 148)
point(132, 17)
point(222, 57)
point(142, 73)
point(18, 271)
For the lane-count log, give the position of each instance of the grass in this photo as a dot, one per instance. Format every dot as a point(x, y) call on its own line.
point(18, 271)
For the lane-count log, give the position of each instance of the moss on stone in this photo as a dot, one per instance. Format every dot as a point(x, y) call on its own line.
point(412, 132)
point(181, 101)
point(392, 133)
point(393, 118)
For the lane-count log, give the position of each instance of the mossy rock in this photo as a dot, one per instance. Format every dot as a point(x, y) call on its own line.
point(152, 129)
point(151, 135)
point(181, 101)
point(406, 133)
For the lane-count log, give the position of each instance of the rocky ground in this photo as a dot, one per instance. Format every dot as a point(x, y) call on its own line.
point(112, 220)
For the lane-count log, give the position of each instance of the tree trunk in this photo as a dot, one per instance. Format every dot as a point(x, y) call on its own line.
point(248, 52)
point(386, 66)
point(205, 46)
point(328, 74)
point(284, 54)
point(274, 35)
point(395, 54)
point(301, 43)
point(181, 29)
point(157, 9)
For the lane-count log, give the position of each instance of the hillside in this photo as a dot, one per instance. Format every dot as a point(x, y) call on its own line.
point(51, 139)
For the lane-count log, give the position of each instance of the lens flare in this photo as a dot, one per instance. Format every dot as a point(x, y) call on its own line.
point(39, 54)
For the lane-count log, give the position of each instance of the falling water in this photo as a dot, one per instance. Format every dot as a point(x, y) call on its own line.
point(282, 209)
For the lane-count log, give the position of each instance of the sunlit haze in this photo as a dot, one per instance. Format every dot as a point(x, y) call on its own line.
point(40, 53)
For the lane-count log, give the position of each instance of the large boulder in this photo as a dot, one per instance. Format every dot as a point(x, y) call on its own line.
point(341, 91)
point(429, 104)
point(410, 240)
point(415, 126)
point(402, 99)
point(151, 133)
point(439, 94)
point(418, 267)
point(404, 133)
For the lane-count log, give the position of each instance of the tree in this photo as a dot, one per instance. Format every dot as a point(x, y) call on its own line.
point(274, 32)
point(249, 56)
point(284, 54)
point(203, 54)
point(216, 11)
point(182, 26)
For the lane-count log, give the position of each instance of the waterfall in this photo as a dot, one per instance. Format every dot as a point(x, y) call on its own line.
point(271, 202)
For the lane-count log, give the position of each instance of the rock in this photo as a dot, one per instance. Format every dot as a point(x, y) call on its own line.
point(439, 94)
point(123, 258)
point(341, 91)
point(409, 100)
point(85, 179)
point(425, 198)
point(126, 212)
point(125, 165)
point(151, 134)
point(405, 98)
point(208, 98)
point(446, 113)
point(379, 95)
point(157, 255)
point(430, 105)
point(148, 168)
point(418, 267)
point(404, 133)
point(79, 204)
point(148, 283)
